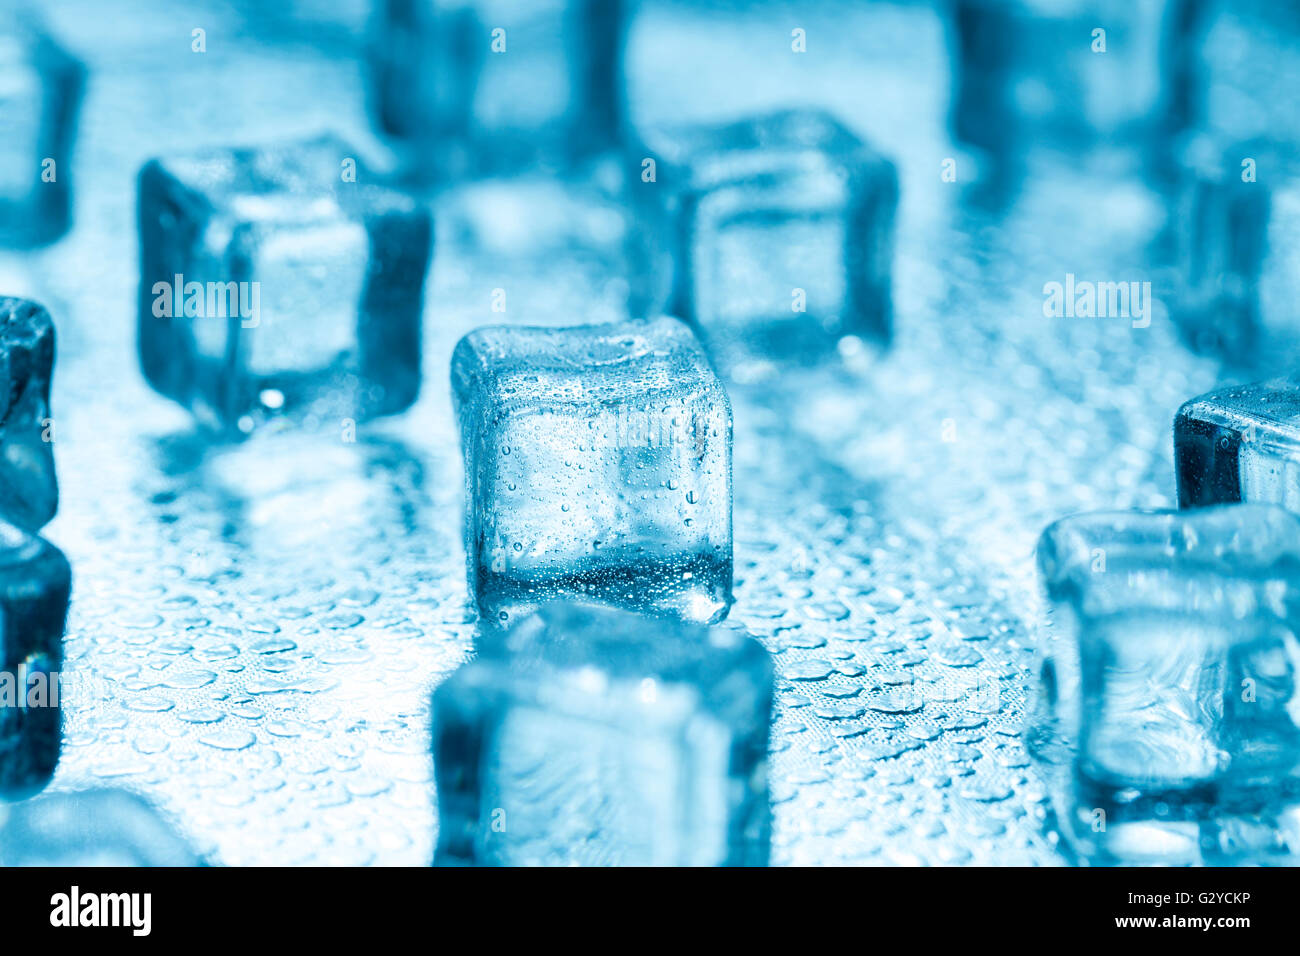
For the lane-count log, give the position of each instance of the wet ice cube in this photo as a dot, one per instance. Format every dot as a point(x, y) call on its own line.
point(598, 463)
point(105, 827)
point(593, 736)
point(280, 282)
point(29, 493)
point(1070, 73)
point(40, 91)
point(1240, 443)
point(1237, 228)
point(34, 586)
point(500, 85)
point(1169, 667)
point(777, 232)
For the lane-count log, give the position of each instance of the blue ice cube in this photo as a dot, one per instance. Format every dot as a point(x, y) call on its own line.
point(1168, 713)
point(598, 464)
point(1240, 443)
point(280, 283)
point(105, 827)
point(500, 85)
point(775, 233)
point(40, 92)
point(593, 736)
point(29, 493)
point(34, 584)
point(1237, 228)
point(1069, 74)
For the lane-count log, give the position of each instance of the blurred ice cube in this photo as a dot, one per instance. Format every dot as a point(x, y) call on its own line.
point(1169, 687)
point(89, 828)
point(40, 91)
point(599, 737)
point(773, 234)
point(280, 283)
point(495, 86)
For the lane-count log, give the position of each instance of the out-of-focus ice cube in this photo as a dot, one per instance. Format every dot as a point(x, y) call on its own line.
point(40, 91)
point(1238, 238)
point(29, 493)
point(89, 828)
point(593, 736)
point(557, 241)
point(598, 464)
point(280, 282)
point(1065, 74)
point(34, 584)
point(1168, 704)
point(1240, 444)
point(773, 234)
point(500, 85)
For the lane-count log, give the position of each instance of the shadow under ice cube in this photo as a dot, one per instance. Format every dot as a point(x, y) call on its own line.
point(500, 85)
point(1168, 710)
point(593, 736)
point(40, 92)
point(598, 464)
point(280, 282)
point(29, 491)
point(35, 582)
point(777, 232)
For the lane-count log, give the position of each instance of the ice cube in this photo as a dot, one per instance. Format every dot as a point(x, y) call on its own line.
point(1169, 667)
point(1240, 443)
point(34, 585)
point(105, 827)
point(1237, 230)
point(280, 282)
point(598, 464)
point(1070, 73)
point(773, 234)
point(40, 92)
point(593, 736)
point(29, 493)
point(500, 85)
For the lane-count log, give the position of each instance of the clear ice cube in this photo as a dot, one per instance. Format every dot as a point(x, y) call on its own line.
point(106, 827)
point(1240, 443)
point(35, 581)
point(1070, 73)
point(773, 234)
point(500, 85)
point(1238, 251)
point(1168, 707)
point(40, 92)
point(593, 736)
point(29, 492)
point(280, 283)
point(598, 464)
